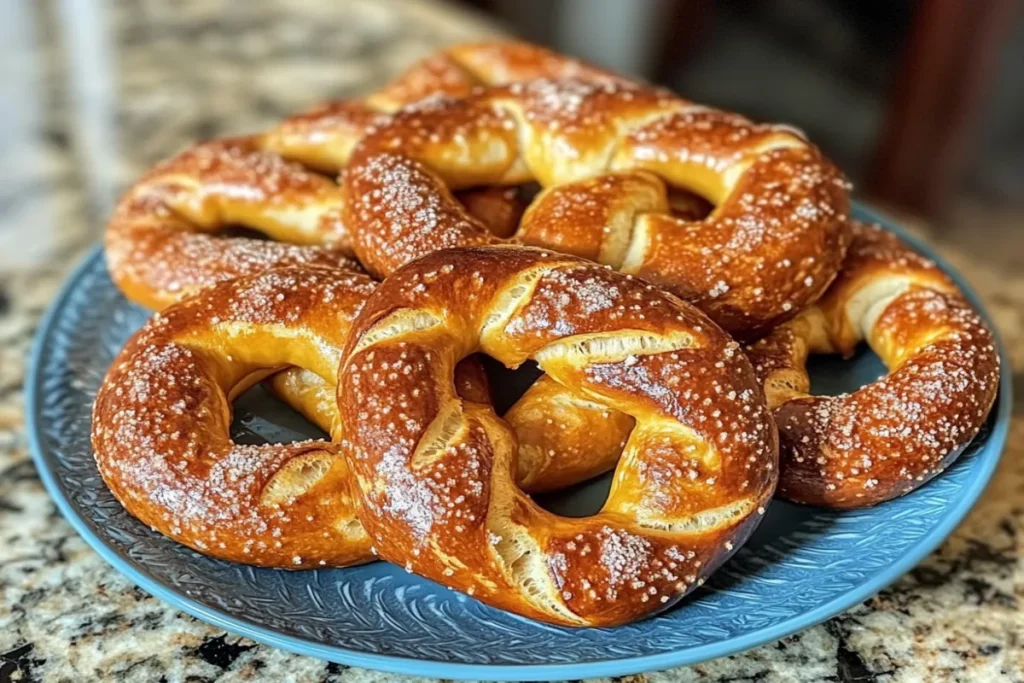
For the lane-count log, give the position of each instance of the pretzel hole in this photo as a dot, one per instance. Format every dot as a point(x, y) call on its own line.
point(509, 384)
point(235, 231)
point(687, 205)
point(581, 499)
point(260, 417)
point(834, 375)
point(584, 499)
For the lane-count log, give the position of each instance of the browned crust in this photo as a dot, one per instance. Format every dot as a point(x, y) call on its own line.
point(891, 436)
point(163, 242)
point(436, 473)
point(770, 247)
point(161, 419)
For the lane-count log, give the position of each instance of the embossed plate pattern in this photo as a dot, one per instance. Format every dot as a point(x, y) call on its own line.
point(802, 566)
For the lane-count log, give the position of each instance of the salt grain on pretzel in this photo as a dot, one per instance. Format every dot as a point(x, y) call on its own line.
point(606, 154)
point(164, 241)
point(162, 416)
point(436, 471)
point(895, 434)
point(161, 420)
point(166, 238)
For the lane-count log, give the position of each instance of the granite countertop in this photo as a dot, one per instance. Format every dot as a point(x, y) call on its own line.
point(93, 92)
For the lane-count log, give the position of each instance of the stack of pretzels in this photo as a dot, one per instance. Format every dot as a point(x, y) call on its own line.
point(670, 277)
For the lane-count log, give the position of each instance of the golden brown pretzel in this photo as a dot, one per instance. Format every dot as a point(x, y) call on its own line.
point(161, 241)
point(162, 415)
point(161, 420)
point(214, 184)
point(161, 244)
point(604, 153)
point(324, 137)
point(436, 471)
point(894, 434)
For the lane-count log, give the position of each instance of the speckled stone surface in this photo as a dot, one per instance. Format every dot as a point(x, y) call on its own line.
point(91, 93)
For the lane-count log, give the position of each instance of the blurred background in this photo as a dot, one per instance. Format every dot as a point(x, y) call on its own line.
point(920, 101)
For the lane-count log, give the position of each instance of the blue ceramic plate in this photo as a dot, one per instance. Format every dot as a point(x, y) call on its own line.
point(802, 566)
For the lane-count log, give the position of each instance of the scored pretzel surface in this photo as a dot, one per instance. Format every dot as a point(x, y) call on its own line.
point(436, 471)
point(165, 238)
point(605, 154)
point(161, 423)
point(893, 435)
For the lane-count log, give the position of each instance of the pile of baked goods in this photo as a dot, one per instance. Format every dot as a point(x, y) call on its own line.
point(670, 277)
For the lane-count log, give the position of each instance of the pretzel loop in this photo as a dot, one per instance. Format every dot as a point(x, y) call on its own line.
point(436, 471)
point(893, 435)
point(162, 416)
point(161, 421)
point(161, 245)
point(605, 154)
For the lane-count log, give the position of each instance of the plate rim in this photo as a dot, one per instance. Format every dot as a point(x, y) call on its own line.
point(987, 459)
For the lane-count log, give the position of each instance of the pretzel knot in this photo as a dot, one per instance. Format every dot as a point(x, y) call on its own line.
point(891, 436)
point(605, 154)
point(171, 235)
point(166, 239)
point(161, 423)
point(436, 471)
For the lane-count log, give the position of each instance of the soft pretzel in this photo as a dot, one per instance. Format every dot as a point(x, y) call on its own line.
point(162, 243)
point(436, 471)
point(891, 436)
point(604, 153)
point(162, 246)
point(165, 240)
point(324, 137)
point(162, 415)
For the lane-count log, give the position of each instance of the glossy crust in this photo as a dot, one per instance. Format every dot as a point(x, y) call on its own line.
point(324, 137)
point(163, 242)
point(606, 154)
point(166, 239)
point(436, 471)
point(162, 415)
point(893, 435)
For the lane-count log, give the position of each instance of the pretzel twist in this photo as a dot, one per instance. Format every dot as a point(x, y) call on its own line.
point(436, 471)
point(891, 436)
point(604, 153)
point(162, 244)
point(162, 415)
point(165, 240)
point(325, 137)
